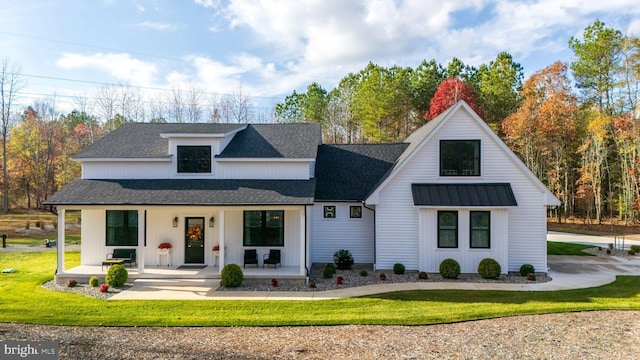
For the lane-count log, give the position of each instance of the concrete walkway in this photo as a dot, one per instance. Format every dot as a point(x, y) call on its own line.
point(567, 272)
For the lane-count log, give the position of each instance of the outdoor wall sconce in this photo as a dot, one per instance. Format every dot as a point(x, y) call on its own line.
point(175, 221)
point(212, 221)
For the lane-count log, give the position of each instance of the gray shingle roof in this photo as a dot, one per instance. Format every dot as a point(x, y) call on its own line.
point(499, 194)
point(275, 141)
point(185, 192)
point(142, 140)
point(349, 172)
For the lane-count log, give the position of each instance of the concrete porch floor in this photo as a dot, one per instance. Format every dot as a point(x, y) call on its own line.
point(211, 272)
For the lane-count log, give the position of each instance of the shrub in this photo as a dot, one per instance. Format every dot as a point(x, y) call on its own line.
point(608, 251)
point(331, 266)
point(104, 288)
point(274, 282)
point(364, 273)
point(37, 223)
point(531, 277)
point(489, 268)
point(449, 269)
point(231, 276)
point(72, 283)
point(383, 276)
point(631, 252)
point(116, 276)
point(635, 248)
point(526, 269)
point(94, 281)
point(398, 269)
point(41, 225)
point(339, 280)
point(55, 225)
point(423, 275)
point(27, 225)
point(343, 259)
point(328, 272)
point(312, 284)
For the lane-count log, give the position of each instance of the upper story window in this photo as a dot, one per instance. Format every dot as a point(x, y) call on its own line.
point(194, 159)
point(459, 157)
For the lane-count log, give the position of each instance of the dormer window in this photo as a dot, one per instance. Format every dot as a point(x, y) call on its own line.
point(459, 157)
point(194, 159)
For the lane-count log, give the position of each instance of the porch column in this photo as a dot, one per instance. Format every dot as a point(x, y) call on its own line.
point(221, 241)
point(140, 247)
point(303, 239)
point(61, 241)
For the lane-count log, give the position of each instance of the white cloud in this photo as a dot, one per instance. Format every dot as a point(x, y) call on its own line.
point(156, 26)
point(208, 3)
point(120, 66)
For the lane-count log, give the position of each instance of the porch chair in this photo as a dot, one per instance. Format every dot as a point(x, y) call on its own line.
point(272, 259)
point(250, 257)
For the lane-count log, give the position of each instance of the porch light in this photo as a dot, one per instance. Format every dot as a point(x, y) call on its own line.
point(212, 221)
point(175, 221)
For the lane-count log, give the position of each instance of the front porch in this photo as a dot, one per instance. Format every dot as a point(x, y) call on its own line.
point(82, 273)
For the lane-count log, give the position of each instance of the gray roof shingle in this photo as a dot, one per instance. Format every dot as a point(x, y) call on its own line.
point(185, 192)
point(498, 194)
point(349, 172)
point(142, 140)
point(298, 141)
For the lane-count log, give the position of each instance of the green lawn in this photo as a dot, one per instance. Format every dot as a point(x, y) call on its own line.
point(23, 300)
point(560, 248)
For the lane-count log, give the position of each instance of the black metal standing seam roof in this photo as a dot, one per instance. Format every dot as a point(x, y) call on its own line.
point(143, 140)
point(498, 194)
point(185, 192)
point(297, 141)
point(348, 172)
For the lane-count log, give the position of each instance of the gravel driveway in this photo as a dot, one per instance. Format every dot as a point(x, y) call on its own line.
point(586, 335)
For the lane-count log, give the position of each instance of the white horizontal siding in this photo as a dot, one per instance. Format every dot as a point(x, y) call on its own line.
point(341, 232)
point(127, 170)
point(263, 170)
point(397, 218)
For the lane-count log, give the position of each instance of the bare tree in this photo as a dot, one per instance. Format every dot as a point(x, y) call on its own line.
point(10, 85)
point(195, 95)
point(176, 105)
point(107, 102)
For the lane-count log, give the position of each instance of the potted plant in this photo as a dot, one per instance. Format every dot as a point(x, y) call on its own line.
point(216, 248)
point(164, 247)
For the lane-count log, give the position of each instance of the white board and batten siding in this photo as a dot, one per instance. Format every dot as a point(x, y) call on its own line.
point(160, 229)
point(342, 232)
point(127, 170)
point(398, 220)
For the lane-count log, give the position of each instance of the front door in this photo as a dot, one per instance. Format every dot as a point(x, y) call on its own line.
point(194, 240)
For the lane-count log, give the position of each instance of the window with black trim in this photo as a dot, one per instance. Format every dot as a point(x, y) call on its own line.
point(480, 232)
point(122, 228)
point(448, 229)
point(263, 228)
point(329, 212)
point(194, 159)
point(459, 157)
point(355, 212)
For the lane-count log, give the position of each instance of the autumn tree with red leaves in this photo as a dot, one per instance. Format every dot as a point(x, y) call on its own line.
point(450, 92)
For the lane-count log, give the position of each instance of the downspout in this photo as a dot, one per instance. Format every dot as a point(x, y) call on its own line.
point(375, 258)
point(306, 254)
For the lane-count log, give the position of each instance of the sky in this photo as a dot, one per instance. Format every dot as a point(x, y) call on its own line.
point(266, 49)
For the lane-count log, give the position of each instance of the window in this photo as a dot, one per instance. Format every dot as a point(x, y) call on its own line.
point(329, 212)
point(355, 212)
point(459, 157)
point(122, 228)
point(263, 228)
point(194, 159)
point(447, 229)
point(480, 233)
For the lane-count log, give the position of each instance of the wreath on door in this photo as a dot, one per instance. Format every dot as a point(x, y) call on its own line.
point(194, 233)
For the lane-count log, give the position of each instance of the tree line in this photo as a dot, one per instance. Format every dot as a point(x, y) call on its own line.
point(573, 124)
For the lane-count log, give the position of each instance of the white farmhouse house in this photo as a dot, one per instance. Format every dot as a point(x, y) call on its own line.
point(452, 190)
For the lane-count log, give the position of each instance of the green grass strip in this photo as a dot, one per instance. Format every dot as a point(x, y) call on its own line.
point(24, 300)
point(561, 248)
